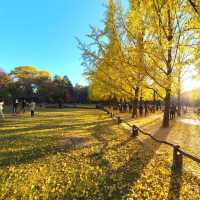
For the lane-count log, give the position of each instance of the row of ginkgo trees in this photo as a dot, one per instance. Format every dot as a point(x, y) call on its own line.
point(145, 50)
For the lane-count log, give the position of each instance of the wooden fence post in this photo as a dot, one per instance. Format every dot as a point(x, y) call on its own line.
point(119, 120)
point(134, 131)
point(111, 114)
point(177, 159)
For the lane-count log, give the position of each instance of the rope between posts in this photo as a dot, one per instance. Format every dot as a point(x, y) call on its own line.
point(157, 140)
point(137, 129)
point(127, 124)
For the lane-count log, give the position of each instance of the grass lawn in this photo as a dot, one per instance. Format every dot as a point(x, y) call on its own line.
point(82, 154)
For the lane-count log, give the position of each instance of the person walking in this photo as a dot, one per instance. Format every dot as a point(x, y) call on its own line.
point(145, 108)
point(173, 111)
point(15, 106)
point(24, 106)
point(32, 108)
point(1, 109)
point(141, 109)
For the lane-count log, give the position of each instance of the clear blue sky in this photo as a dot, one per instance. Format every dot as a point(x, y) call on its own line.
point(42, 33)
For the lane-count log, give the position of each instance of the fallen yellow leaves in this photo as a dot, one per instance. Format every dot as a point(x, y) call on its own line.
point(111, 166)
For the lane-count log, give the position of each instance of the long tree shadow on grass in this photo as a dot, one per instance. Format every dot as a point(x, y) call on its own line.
point(10, 133)
point(30, 147)
point(28, 156)
point(175, 185)
point(19, 120)
point(105, 128)
point(131, 171)
point(101, 132)
point(35, 124)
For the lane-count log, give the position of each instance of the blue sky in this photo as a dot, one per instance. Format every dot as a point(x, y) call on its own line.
point(42, 33)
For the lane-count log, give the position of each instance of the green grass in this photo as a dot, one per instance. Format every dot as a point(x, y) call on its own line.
point(82, 154)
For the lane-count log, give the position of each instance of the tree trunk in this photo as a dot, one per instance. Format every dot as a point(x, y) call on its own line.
point(154, 101)
point(179, 95)
point(167, 109)
point(169, 72)
point(135, 103)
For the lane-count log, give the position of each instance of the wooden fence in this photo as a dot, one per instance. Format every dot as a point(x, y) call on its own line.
point(178, 153)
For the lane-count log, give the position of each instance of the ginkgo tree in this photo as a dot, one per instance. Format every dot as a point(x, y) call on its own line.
point(141, 51)
point(159, 29)
point(105, 65)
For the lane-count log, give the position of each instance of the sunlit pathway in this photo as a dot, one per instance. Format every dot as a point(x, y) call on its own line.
point(195, 122)
point(184, 131)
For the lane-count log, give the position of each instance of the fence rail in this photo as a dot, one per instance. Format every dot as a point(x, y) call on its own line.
point(178, 153)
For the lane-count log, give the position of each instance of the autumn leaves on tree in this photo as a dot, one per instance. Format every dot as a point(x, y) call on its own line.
point(30, 82)
point(141, 54)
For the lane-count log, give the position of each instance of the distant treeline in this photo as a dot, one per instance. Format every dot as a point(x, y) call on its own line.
point(27, 82)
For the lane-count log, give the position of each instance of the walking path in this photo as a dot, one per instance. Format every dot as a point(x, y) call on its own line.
point(195, 122)
point(184, 131)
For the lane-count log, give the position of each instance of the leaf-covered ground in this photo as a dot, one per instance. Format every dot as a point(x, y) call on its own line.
point(83, 154)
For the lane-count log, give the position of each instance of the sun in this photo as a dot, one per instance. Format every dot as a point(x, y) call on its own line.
point(190, 84)
point(188, 81)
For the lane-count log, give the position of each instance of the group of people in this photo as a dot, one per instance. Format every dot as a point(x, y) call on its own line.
point(16, 108)
point(144, 107)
